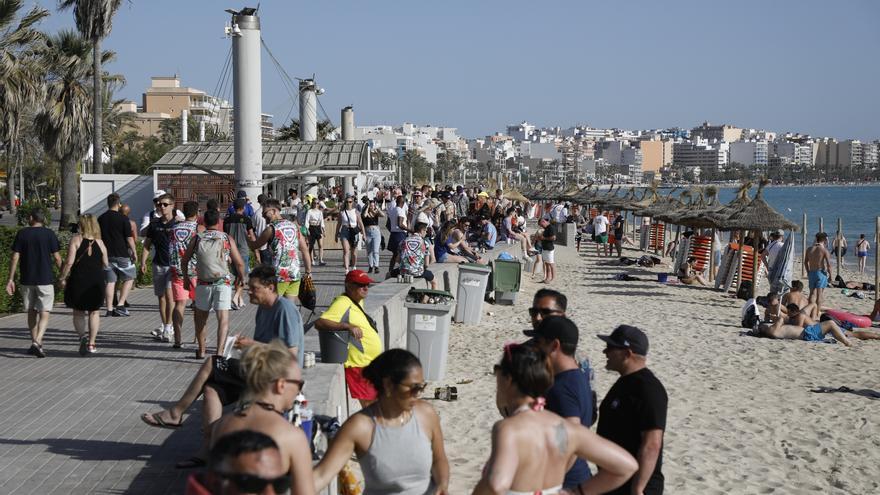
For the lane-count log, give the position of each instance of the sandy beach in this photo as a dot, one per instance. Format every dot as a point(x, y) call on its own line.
point(742, 417)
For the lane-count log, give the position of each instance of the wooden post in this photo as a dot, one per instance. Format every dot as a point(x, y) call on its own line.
point(739, 253)
point(821, 224)
point(839, 244)
point(804, 248)
point(876, 262)
point(756, 235)
point(712, 257)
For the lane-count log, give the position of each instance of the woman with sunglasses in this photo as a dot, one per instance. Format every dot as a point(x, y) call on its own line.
point(374, 235)
point(533, 448)
point(349, 227)
point(397, 439)
point(273, 380)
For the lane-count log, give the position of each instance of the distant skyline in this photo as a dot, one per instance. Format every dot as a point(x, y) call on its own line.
point(800, 66)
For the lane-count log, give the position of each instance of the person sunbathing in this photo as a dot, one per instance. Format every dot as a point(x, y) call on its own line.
point(688, 276)
point(800, 326)
point(796, 296)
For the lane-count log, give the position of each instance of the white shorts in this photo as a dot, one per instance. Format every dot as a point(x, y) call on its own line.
point(547, 256)
point(216, 297)
point(38, 297)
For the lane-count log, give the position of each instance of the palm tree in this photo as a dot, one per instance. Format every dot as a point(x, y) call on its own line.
point(290, 132)
point(64, 123)
point(94, 19)
point(20, 78)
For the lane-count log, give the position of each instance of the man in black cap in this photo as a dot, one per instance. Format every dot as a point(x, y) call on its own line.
point(570, 396)
point(633, 412)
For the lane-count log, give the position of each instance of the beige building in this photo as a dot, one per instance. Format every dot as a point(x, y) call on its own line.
point(146, 124)
point(656, 154)
point(710, 132)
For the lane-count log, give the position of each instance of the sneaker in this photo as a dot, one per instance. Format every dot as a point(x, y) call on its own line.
point(83, 346)
point(233, 306)
point(92, 349)
point(32, 350)
point(39, 352)
point(111, 313)
point(168, 335)
point(322, 263)
point(157, 332)
point(122, 311)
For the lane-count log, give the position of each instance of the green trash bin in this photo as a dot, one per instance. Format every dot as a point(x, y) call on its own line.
point(506, 280)
point(473, 278)
point(427, 329)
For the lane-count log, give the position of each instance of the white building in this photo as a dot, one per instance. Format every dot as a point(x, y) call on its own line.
point(749, 153)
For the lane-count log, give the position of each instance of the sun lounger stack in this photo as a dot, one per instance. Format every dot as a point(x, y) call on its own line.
point(700, 248)
point(728, 272)
point(658, 231)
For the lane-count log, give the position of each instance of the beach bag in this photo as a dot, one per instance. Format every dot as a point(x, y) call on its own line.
point(750, 315)
point(308, 295)
point(211, 263)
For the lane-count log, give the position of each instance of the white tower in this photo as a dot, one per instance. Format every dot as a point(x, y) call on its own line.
point(247, 101)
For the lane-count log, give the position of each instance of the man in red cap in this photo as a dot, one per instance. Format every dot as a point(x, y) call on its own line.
point(346, 314)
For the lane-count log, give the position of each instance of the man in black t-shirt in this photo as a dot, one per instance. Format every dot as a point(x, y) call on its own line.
point(240, 228)
point(617, 225)
point(35, 246)
point(158, 234)
point(118, 237)
point(633, 412)
point(547, 237)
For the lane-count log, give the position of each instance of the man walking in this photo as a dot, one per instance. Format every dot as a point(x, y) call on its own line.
point(181, 235)
point(633, 412)
point(570, 396)
point(398, 227)
point(240, 228)
point(600, 232)
point(817, 261)
point(118, 237)
point(214, 252)
point(618, 225)
point(35, 246)
point(462, 203)
point(259, 221)
point(158, 234)
point(414, 257)
point(287, 246)
point(547, 237)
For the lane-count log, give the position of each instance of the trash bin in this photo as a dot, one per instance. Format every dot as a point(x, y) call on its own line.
point(334, 346)
point(427, 330)
point(473, 279)
point(506, 279)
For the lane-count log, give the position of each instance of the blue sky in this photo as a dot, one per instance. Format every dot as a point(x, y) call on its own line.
point(478, 65)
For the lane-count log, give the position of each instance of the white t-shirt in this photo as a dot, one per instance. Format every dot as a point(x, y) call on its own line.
point(349, 218)
point(600, 224)
point(395, 212)
point(315, 218)
point(773, 251)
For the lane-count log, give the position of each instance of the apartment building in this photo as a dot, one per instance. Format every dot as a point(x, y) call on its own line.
point(700, 156)
point(710, 132)
point(656, 154)
point(749, 153)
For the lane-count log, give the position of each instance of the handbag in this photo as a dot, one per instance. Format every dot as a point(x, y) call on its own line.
point(308, 295)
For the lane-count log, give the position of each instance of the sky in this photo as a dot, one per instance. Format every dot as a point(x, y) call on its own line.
point(479, 65)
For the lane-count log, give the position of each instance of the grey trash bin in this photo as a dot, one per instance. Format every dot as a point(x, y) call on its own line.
point(427, 336)
point(473, 279)
point(334, 346)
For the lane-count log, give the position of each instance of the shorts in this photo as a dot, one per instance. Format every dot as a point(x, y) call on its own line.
point(548, 256)
point(862, 254)
point(394, 240)
point(120, 268)
point(226, 379)
point(38, 297)
point(602, 238)
point(161, 280)
point(315, 232)
point(288, 288)
point(216, 297)
point(358, 386)
point(818, 279)
point(428, 275)
point(813, 333)
point(266, 258)
point(350, 234)
point(842, 251)
point(178, 293)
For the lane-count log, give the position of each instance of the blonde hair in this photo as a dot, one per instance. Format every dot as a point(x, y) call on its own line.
point(262, 364)
point(88, 227)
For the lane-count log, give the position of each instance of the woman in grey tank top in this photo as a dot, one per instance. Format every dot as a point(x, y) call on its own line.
point(397, 439)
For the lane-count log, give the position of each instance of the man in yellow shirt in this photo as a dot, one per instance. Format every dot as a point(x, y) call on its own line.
point(346, 313)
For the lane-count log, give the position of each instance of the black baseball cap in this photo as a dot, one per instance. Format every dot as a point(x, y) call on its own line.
point(628, 337)
point(555, 327)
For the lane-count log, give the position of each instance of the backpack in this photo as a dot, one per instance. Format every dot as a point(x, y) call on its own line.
point(750, 315)
point(211, 256)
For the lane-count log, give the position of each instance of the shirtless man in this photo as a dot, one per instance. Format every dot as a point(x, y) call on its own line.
point(811, 333)
point(818, 265)
point(796, 296)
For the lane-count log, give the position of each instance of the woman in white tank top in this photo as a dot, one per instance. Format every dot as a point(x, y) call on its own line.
point(349, 230)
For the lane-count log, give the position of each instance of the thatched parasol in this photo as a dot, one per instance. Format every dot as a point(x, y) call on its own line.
point(660, 205)
point(515, 195)
point(758, 215)
point(674, 212)
point(611, 195)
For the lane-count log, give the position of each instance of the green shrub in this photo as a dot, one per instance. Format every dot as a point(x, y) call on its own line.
point(22, 215)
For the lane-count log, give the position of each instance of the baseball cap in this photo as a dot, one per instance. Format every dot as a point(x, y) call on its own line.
point(158, 193)
point(556, 327)
point(459, 188)
point(627, 337)
point(358, 277)
point(241, 194)
point(483, 194)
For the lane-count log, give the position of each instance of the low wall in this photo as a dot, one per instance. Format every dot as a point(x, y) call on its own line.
point(325, 390)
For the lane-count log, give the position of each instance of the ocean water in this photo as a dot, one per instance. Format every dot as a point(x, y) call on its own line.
point(856, 206)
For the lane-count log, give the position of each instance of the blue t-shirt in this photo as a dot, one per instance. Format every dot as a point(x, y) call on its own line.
point(570, 396)
point(281, 321)
point(492, 235)
point(248, 209)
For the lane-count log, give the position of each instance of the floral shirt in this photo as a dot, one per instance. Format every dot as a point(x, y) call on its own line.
point(213, 234)
point(285, 250)
point(413, 252)
point(181, 235)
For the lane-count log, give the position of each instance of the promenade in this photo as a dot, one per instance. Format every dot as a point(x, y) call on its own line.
point(70, 424)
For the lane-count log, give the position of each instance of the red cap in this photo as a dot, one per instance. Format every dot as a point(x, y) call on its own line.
point(359, 277)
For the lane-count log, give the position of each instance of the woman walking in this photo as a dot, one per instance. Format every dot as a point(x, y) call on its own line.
point(370, 220)
point(397, 439)
point(348, 230)
point(82, 279)
point(533, 448)
point(862, 247)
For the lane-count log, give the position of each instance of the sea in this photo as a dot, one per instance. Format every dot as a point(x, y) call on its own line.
point(857, 206)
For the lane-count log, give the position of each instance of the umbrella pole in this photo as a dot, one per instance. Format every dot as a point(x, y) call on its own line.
point(756, 235)
point(712, 257)
point(804, 248)
point(839, 244)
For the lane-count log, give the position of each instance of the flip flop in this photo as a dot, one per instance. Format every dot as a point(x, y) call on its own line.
point(153, 419)
point(191, 463)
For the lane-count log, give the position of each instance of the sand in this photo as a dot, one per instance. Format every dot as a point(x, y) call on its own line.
point(741, 417)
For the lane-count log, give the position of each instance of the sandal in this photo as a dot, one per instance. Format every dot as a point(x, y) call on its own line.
point(153, 419)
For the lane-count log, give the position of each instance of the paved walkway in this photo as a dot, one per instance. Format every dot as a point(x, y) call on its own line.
point(70, 425)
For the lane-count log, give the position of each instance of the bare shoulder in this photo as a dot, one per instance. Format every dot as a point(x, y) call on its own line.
point(425, 410)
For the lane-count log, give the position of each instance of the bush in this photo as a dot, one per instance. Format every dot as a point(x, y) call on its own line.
point(23, 213)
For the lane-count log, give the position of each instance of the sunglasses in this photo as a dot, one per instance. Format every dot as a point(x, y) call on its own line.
point(300, 383)
point(544, 312)
point(248, 483)
point(415, 389)
point(164, 205)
